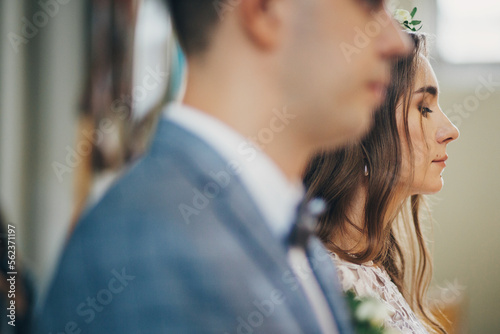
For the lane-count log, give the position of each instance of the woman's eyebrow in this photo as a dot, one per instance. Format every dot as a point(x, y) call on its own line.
point(433, 90)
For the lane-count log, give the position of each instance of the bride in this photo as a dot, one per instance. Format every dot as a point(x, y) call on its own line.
point(374, 189)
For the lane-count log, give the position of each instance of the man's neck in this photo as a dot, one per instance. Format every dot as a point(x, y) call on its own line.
point(248, 102)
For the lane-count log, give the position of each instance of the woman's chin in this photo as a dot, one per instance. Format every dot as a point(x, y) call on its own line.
point(430, 188)
point(434, 190)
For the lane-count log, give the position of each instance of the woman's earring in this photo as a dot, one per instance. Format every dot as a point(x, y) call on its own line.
point(366, 170)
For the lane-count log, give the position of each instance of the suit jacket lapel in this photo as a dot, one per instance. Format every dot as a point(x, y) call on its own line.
point(242, 217)
point(326, 276)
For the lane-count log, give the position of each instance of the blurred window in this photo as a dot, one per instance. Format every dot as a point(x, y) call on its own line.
point(469, 32)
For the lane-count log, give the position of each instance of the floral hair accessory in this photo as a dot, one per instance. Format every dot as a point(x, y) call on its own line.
point(406, 19)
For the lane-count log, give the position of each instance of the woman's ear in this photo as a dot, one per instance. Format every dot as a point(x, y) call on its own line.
point(264, 21)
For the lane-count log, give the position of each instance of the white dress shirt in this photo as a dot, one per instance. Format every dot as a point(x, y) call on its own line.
point(275, 196)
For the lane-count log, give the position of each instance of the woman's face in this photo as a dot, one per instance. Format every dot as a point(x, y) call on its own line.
point(430, 132)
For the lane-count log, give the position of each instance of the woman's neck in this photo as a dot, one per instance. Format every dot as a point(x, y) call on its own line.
point(351, 239)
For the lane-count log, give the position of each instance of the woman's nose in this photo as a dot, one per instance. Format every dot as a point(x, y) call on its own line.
point(448, 131)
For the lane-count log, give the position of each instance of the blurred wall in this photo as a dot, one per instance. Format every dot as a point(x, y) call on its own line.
point(12, 85)
point(56, 89)
point(466, 212)
point(41, 83)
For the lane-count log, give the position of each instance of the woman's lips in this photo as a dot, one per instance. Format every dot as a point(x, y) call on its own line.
point(441, 161)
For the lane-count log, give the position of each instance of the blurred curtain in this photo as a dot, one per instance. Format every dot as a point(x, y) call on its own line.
point(13, 116)
point(135, 67)
point(104, 114)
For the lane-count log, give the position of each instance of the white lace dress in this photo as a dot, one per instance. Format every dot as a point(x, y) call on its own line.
point(369, 280)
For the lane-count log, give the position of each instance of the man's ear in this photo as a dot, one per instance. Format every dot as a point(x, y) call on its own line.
point(263, 21)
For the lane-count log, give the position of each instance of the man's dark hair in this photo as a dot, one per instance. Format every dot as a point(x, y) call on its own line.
point(194, 21)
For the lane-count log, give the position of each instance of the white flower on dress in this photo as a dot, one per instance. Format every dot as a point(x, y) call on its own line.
point(374, 311)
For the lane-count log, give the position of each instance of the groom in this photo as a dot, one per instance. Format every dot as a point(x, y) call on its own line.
point(194, 238)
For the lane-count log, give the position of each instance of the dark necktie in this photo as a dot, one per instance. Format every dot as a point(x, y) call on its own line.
point(306, 221)
point(302, 230)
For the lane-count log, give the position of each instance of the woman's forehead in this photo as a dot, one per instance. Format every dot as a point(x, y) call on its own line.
point(425, 75)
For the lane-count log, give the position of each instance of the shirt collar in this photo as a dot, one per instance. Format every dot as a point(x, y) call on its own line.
point(274, 195)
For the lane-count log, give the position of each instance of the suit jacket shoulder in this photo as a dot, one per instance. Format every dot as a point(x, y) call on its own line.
point(175, 246)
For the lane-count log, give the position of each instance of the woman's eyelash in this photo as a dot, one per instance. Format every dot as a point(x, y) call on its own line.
point(424, 110)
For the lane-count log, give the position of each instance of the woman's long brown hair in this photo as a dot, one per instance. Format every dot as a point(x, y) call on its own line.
point(392, 233)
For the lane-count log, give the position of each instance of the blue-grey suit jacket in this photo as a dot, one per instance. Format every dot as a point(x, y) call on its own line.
point(173, 247)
